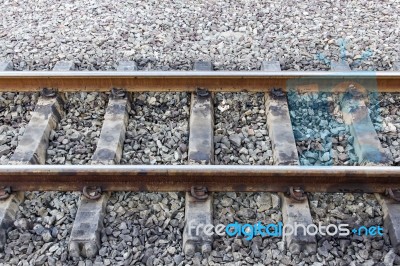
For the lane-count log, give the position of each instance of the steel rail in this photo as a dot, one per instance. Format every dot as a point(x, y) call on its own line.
point(383, 81)
point(215, 178)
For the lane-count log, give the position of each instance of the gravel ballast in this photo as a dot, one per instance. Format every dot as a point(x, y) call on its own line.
point(355, 210)
point(172, 35)
point(240, 130)
point(157, 131)
point(15, 113)
point(75, 137)
point(322, 137)
point(386, 119)
point(41, 230)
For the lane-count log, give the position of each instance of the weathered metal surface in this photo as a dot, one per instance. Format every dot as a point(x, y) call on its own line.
point(391, 218)
point(191, 80)
point(201, 151)
point(64, 66)
point(215, 178)
point(298, 213)
point(8, 211)
point(88, 223)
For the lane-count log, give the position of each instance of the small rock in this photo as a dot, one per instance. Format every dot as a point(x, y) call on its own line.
point(235, 140)
point(389, 258)
point(46, 235)
point(38, 228)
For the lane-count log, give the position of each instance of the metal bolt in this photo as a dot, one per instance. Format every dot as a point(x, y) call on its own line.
point(296, 193)
point(92, 192)
point(395, 195)
point(277, 92)
point(46, 92)
point(118, 93)
point(202, 92)
point(5, 192)
point(354, 91)
point(199, 193)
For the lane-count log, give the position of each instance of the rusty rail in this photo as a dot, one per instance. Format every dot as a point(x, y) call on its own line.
point(387, 81)
point(215, 178)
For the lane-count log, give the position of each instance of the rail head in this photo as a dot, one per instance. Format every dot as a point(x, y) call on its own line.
point(216, 178)
point(202, 74)
point(386, 81)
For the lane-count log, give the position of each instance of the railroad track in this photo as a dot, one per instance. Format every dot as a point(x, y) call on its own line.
point(27, 171)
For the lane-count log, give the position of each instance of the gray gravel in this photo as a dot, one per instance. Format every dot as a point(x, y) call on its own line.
point(143, 228)
point(15, 113)
point(75, 138)
point(385, 115)
point(247, 208)
point(171, 35)
point(157, 131)
point(240, 131)
point(355, 210)
point(321, 136)
point(41, 230)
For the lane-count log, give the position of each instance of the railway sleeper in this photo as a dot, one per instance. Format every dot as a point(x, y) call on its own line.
point(198, 203)
point(86, 230)
point(391, 207)
point(355, 114)
point(49, 109)
point(9, 201)
point(88, 224)
point(295, 211)
point(8, 212)
point(369, 150)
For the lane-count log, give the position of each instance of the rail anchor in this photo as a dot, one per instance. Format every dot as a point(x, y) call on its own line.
point(393, 194)
point(199, 192)
point(117, 93)
point(92, 192)
point(202, 92)
point(48, 92)
point(277, 93)
point(355, 92)
point(296, 193)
